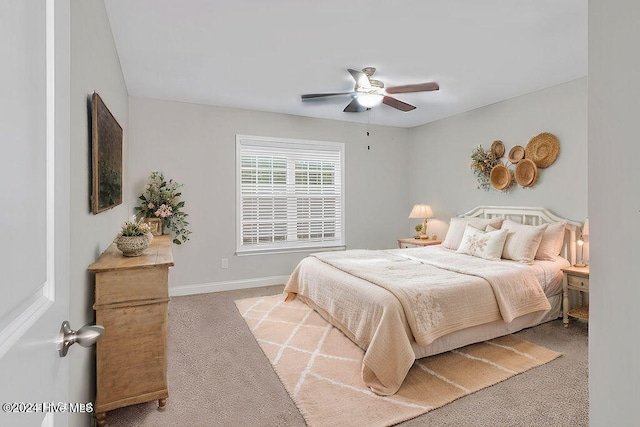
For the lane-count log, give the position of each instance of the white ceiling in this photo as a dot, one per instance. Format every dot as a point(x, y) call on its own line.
point(263, 54)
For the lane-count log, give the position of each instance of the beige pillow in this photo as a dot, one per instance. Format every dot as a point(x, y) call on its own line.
point(482, 244)
point(522, 240)
point(551, 243)
point(457, 226)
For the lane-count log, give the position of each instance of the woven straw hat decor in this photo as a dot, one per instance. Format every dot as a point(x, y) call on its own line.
point(497, 148)
point(526, 173)
point(524, 162)
point(543, 149)
point(516, 154)
point(500, 177)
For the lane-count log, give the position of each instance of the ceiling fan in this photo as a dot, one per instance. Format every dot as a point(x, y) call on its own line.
point(369, 92)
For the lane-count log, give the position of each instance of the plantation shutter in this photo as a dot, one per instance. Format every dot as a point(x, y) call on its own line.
point(290, 194)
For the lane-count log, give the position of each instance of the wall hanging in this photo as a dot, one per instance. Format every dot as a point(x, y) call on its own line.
point(523, 162)
point(543, 149)
point(106, 157)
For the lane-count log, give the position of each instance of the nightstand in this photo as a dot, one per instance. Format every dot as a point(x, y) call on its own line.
point(416, 243)
point(577, 279)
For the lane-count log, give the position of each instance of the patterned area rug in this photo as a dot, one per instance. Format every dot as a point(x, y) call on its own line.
point(320, 367)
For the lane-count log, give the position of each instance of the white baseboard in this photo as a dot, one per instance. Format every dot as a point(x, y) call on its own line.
point(204, 288)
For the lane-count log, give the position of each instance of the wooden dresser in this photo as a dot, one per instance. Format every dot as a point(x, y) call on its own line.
point(131, 301)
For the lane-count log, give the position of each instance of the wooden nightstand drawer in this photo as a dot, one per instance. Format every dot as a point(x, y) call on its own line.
point(416, 243)
point(575, 279)
point(577, 282)
point(404, 245)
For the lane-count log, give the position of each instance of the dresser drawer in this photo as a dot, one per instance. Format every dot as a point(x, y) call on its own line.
point(131, 285)
point(131, 357)
point(577, 282)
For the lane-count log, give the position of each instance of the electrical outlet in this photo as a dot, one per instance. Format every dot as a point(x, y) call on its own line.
point(224, 262)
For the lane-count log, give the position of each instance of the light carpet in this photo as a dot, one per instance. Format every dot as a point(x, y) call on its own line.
point(320, 367)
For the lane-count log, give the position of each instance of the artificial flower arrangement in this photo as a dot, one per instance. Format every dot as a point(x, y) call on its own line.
point(482, 162)
point(161, 199)
point(134, 228)
point(134, 237)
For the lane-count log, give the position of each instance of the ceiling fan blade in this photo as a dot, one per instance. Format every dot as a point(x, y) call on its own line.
point(355, 107)
point(420, 87)
point(311, 96)
point(396, 103)
point(361, 79)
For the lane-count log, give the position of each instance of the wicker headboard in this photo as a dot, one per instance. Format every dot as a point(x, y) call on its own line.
point(533, 216)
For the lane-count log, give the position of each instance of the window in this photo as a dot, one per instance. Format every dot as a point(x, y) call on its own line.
point(290, 194)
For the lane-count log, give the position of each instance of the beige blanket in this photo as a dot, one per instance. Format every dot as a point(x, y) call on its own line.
point(442, 291)
point(433, 293)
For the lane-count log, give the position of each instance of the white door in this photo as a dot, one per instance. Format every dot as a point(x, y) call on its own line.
point(34, 210)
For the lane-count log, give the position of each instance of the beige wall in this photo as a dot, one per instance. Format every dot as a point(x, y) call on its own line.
point(614, 219)
point(94, 67)
point(440, 173)
point(195, 145)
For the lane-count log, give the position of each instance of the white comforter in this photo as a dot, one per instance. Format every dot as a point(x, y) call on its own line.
point(432, 292)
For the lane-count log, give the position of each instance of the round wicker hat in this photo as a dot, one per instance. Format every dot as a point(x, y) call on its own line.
point(497, 148)
point(516, 154)
point(500, 177)
point(543, 149)
point(526, 173)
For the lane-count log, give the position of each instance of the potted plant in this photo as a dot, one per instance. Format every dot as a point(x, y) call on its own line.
point(134, 238)
point(161, 200)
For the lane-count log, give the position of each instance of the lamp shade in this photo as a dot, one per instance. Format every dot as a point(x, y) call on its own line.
point(421, 211)
point(585, 227)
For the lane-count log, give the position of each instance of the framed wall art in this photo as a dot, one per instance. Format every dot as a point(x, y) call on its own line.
point(106, 157)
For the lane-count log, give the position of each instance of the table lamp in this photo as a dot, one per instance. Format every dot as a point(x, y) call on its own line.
point(424, 212)
point(585, 232)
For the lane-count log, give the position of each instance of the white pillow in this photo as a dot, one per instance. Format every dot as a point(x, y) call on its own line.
point(457, 227)
point(482, 244)
point(522, 240)
point(551, 243)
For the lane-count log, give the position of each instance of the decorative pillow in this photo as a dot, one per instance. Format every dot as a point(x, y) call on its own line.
point(522, 240)
point(482, 244)
point(551, 243)
point(457, 227)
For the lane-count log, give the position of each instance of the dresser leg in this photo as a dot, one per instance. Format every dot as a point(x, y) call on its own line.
point(162, 403)
point(101, 419)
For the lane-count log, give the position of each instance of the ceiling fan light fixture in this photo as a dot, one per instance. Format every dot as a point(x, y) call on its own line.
point(369, 71)
point(368, 93)
point(369, 100)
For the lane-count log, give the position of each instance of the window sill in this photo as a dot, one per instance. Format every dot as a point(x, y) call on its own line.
point(268, 251)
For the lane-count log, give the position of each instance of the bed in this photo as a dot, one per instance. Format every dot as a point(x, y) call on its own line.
point(497, 271)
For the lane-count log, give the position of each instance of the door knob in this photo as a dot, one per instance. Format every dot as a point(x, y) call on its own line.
point(86, 336)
